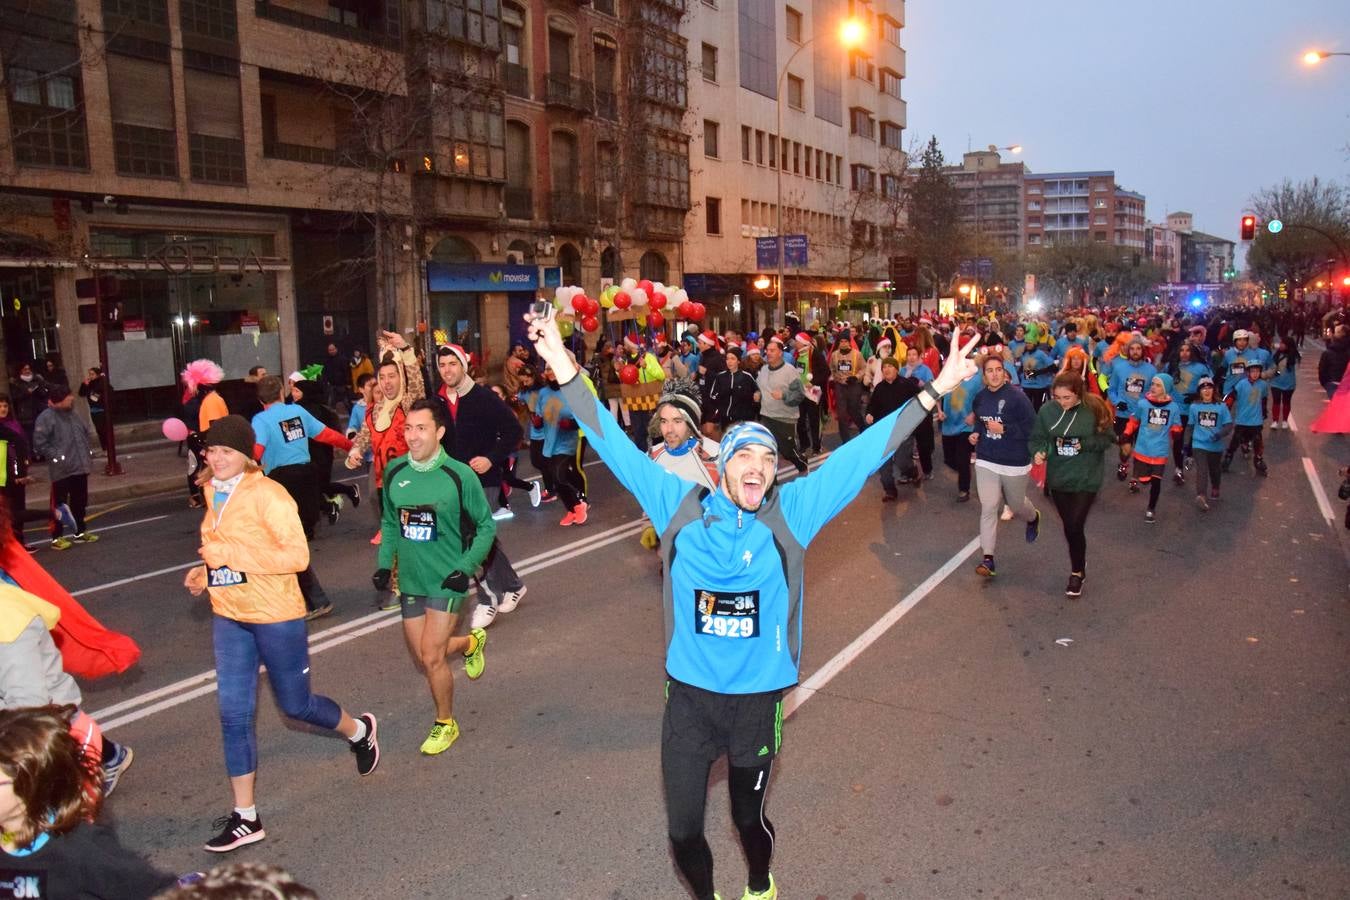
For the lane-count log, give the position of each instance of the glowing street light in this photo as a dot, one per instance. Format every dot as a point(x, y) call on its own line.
point(1313, 57)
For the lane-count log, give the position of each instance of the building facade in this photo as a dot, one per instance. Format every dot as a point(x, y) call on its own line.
point(991, 198)
point(1081, 208)
point(253, 181)
point(838, 155)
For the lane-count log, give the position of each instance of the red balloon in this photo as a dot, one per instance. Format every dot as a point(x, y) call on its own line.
point(655, 319)
point(579, 303)
point(629, 374)
point(684, 309)
point(696, 314)
point(592, 306)
point(590, 324)
point(622, 300)
point(646, 286)
point(657, 301)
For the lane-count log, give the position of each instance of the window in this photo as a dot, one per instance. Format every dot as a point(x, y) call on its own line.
point(757, 22)
point(861, 123)
point(209, 18)
point(773, 151)
point(47, 120)
point(1033, 239)
point(890, 29)
point(794, 25)
point(892, 136)
point(890, 83)
point(1099, 220)
point(759, 147)
point(140, 95)
point(605, 6)
point(745, 143)
point(819, 157)
point(797, 158)
point(713, 207)
point(1034, 206)
point(472, 21)
point(838, 170)
point(710, 63)
point(149, 12)
point(1033, 189)
point(796, 92)
point(806, 161)
point(860, 66)
point(145, 151)
point(476, 126)
point(890, 187)
point(710, 139)
point(1099, 237)
point(216, 159)
point(862, 177)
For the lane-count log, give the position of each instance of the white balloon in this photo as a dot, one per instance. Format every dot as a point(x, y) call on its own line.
point(658, 287)
point(681, 296)
point(639, 296)
point(628, 284)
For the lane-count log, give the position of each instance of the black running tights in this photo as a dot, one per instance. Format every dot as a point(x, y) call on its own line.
point(1073, 509)
point(686, 782)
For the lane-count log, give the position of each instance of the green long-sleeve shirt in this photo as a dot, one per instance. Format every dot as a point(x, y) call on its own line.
point(434, 523)
point(1072, 445)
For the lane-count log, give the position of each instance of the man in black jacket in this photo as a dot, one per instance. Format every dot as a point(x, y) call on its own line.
point(888, 395)
point(481, 432)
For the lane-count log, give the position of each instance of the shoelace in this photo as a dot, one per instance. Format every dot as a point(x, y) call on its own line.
point(223, 821)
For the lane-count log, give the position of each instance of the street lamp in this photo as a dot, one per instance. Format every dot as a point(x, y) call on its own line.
point(1313, 57)
point(851, 33)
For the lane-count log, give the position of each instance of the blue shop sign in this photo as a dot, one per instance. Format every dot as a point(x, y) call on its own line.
point(794, 252)
point(481, 277)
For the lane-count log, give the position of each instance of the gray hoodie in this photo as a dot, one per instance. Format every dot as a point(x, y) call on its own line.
point(65, 440)
point(31, 673)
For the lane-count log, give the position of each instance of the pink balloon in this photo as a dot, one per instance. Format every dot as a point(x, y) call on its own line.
point(174, 430)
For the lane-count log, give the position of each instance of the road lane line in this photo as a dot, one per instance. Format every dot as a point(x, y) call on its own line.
point(826, 673)
point(1323, 502)
point(36, 544)
point(1289, 420)
point(121, 581)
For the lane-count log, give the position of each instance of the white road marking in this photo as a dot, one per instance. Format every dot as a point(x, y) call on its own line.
point(1293, 426)
point(36, 544)
point(121, 581)
point(826, 673)
point(1323, 502)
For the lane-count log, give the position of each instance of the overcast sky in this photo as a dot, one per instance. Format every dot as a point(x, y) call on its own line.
point(1194, 103)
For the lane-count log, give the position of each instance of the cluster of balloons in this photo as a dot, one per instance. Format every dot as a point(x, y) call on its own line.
point(646, 298)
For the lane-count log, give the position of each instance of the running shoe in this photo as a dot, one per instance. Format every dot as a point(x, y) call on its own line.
point(113, 769)
point(389, 601)
point(963, 496)
point(377, 539)
point(473, 662)
point(569, 519)
point(890, 497)
point(367, 750)
point(1075, 586)
point(333, 512)
point(1148, 516)
point(356, 496)
point(986, 567)
point(503, 513)
point(1034, 528)
point(1214, 494)
point(61, 544)
point(579, 514)
point(1260, 465)
point(482, 615)
point(236, 832)
point(547, 497)
point(1201, 502)
point(440, 738)
point(769, 893)
point(1179, 478)
point(1121, 472)
point(536, 494)
point(510, 600)
point(1134, 486)
point(319, 612)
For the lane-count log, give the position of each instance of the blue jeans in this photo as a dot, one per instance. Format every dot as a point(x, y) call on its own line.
point(284, 648)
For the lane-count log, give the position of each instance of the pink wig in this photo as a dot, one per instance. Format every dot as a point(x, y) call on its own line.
point(199, 372)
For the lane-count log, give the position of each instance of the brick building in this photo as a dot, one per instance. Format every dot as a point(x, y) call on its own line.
point(1081, 207)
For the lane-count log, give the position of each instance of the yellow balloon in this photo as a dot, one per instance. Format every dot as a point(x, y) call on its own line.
point(565, 327)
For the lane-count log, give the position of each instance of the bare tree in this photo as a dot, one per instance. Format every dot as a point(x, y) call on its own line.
point(1316, 219)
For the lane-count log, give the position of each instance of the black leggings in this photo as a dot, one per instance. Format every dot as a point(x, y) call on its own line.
point(1073, 509)
point(956, 456)
point(73, 491)
point(686, 785)
point(566, 479)
point(540, 463)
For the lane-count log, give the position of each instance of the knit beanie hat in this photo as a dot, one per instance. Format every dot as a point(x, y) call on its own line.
point(682, 394)
point(234, 432)
point(1166, 382)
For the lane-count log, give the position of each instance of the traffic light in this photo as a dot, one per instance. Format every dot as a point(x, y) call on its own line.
point(1248, 227)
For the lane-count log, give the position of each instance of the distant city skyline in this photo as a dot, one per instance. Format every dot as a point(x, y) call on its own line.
point(1179, 99)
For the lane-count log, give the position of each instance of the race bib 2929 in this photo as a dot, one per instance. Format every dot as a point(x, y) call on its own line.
point(726, 614)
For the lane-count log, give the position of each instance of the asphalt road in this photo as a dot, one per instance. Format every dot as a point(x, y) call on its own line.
point(1180, 731)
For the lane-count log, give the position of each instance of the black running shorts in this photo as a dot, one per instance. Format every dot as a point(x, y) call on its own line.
point(748, 728)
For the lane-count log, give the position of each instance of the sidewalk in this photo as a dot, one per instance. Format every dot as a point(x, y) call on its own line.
point(148, 469)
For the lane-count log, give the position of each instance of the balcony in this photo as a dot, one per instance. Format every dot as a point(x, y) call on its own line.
point(519, 203)
point(319, 156)
point(570, 93)
point(568, 208)
point(516, 78)
point(286, 16)
point(607, 105)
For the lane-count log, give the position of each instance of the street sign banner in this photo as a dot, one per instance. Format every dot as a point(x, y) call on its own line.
point(794, 252)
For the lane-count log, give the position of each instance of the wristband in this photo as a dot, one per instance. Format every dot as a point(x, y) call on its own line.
point(932, 392)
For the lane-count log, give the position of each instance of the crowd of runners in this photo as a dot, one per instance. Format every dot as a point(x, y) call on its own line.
point(1033, 412)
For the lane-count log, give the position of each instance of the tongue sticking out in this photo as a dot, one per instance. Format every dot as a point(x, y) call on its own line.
point(752, 492)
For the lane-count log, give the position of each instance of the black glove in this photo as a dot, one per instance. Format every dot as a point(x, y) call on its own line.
point(381, 579)
point(456, 581)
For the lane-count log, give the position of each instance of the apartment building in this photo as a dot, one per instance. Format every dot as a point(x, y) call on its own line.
point(839, 153)
point(991, 197)
point(254, 180)
point(1191, 256)
point(1081, 207)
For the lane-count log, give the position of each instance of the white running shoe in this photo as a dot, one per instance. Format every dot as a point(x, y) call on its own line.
point(510, 600)
point(503, 513)
point(536, 493)
point(482, 617)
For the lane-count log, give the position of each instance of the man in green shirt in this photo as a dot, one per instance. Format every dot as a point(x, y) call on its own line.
point(435, 520)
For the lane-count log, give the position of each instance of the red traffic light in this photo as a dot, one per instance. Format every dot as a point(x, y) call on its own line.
point(1248, 227)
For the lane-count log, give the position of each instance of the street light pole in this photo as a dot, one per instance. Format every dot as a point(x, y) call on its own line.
point(1313, 57)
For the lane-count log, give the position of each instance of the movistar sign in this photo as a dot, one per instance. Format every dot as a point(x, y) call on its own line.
point(481, 277)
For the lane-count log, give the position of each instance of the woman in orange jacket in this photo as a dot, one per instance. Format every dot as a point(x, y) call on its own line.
point(253, 545)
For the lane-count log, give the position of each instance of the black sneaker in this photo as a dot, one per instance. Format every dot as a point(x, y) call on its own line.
point(1075, 587)
point(1121, 472)
point(1179, 478)
point(963, 497)
point(356, 495)
point(1134, 486)
point(333, 512)
point(367, 749)
point(236, 832)
point(1034, 528)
